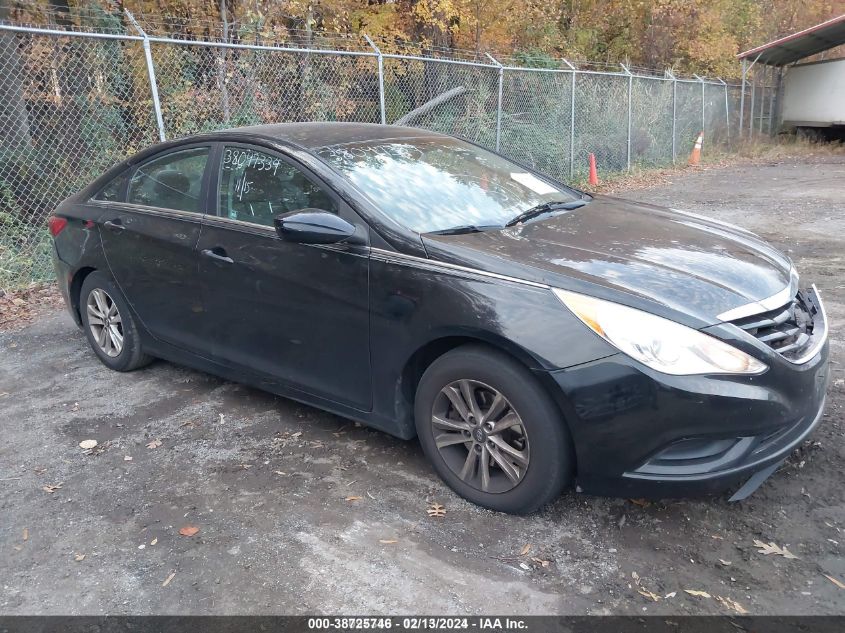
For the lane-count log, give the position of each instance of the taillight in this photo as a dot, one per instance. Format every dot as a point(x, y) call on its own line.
point(56, 224)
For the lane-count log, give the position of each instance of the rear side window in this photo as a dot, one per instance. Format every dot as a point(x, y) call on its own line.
point(113, 191)
point(173, 181)
point(256, 187)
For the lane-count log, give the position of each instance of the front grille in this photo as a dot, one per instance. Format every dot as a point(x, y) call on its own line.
point(789, 330)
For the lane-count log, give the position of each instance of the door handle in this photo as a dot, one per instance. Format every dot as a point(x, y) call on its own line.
point(114, 225)
point(219, 256)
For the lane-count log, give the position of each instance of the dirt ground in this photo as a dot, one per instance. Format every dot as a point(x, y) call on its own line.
point(303, 512)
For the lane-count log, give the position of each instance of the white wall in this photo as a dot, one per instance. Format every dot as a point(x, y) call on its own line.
point(814, 94)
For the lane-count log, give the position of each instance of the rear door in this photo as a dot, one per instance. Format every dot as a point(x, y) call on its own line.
point(150, 237)
point(296, 312)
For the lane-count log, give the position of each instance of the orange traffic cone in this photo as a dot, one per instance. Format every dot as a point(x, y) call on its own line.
point(695, 157)
point(594, 176)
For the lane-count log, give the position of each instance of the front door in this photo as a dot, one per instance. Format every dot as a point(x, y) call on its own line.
point(296, 312)
point(149, 239)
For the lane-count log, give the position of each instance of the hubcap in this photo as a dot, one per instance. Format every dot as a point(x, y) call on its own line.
point(480, 436)
point(105, 322)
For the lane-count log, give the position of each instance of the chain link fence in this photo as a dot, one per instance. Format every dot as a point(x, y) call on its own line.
point(72, 103)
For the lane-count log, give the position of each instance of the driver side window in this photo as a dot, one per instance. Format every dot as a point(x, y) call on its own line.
point(256, 187)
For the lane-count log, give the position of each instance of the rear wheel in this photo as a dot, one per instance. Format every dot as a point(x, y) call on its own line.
point(491, 431)
point(108, 324)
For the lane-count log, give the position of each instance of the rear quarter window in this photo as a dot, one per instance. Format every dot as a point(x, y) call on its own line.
point(114, 190)
point(172, 181)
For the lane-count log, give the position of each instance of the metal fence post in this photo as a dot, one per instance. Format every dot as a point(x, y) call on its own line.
point(152, 75)
point(751, 111)
point(674, 111)
point(745, 71)
point(777, 103)
point(742, 96)
point(499, 101)
point(703, 115)
point(771, 97)
point(380, 59)
point(762, 103)
point(572, 70)
point(727, 113)
point(630, 103)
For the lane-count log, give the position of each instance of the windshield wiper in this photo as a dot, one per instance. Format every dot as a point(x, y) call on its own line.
point(543, 209)
point(466, 228)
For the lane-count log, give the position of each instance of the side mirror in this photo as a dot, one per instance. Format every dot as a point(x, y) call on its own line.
point(313, 226)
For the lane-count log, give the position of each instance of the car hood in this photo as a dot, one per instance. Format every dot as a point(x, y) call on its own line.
point(630, 252)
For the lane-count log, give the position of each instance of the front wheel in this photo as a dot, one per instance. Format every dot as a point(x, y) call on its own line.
point(491, 431)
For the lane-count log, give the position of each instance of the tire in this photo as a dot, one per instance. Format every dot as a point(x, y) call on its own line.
point(530, 425)
point(114, 353)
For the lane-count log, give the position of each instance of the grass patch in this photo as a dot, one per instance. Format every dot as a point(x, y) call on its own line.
point(756, 150)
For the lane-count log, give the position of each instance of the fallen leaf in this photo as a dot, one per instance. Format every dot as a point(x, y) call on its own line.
point(189, 530)
point(127, 458)
point(353, 498)
point(525, 549)
point(51, 488)
point(388, 541)
point(169, 578)
point(694, 592)
point(636, 577)
point(540, 562)
point(154, 541)
point(436, 510)
point(154, 444)
point(836, 582)
point(79, 557)
point(732, 604)
point(670, 595)
point(726, 563)
point(26, 534)
point(88, 444)
point(643, 503)
point(771, 548)
point(648, 594)
point(279, 472)
point(716, 536)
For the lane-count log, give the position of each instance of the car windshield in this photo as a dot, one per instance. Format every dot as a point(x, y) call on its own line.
point(438, 183)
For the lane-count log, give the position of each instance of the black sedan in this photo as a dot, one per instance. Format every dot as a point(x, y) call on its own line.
point(531, 336)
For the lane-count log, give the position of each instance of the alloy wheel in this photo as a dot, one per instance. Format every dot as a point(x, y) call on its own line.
point(480, 436)
point(105, 322)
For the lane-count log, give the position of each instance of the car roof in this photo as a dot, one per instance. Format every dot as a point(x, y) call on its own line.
point(318, 134)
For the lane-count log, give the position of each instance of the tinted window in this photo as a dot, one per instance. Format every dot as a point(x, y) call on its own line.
point(431, 184)
point(113, 191)
point(256, 187)
point(173, 181)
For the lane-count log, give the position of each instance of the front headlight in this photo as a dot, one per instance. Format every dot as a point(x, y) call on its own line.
point(657, 342)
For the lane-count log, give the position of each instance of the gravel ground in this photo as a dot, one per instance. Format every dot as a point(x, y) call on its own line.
point(300, 511)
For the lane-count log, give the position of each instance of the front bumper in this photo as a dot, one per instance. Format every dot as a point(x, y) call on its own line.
point(641, 433)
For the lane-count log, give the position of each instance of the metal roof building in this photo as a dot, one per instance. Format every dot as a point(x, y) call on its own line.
point(790, 49)
point(808, 94)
